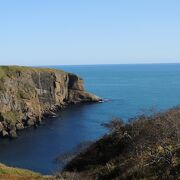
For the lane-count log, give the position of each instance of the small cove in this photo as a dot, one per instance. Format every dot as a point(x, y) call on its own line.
point(131, 89)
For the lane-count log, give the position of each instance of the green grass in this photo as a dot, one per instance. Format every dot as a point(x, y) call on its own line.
point(12, 173)
point(17, 171)
point(11, 71)
point(12, 117)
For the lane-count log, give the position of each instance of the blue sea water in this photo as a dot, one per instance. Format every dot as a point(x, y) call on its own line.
point(130, 89)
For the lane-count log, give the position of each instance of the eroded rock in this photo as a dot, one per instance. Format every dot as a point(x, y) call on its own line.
point(29, 94)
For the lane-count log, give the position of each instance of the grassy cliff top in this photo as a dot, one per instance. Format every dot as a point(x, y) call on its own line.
point(10, 70)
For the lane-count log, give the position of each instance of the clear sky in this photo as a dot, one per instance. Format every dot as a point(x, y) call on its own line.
point(55, 32)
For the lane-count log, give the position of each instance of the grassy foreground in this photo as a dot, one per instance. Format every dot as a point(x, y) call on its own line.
point(8, 173)
point(12, 173)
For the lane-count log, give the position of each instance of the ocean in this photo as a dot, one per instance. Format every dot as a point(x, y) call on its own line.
point(130, 90)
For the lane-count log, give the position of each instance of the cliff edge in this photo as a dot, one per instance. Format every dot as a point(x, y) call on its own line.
point(28, 94)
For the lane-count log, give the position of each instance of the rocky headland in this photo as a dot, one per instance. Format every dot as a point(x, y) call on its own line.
point(27, 95)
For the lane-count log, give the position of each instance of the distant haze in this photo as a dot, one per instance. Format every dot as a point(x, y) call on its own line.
point(55, 32)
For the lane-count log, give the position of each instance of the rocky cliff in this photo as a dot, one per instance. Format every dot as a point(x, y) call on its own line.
point(27, 95)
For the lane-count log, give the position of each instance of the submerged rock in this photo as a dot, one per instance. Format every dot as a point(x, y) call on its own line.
point(28, 94)
point(13, 133)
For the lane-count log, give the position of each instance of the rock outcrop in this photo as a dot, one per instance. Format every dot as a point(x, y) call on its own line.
point(27, 95)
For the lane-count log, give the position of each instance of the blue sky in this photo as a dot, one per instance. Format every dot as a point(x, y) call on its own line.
point(55, 32)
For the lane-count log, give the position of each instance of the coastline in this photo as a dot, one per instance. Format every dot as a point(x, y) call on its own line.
point(28, 95)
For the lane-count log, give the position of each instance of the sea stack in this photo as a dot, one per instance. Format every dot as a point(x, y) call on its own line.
point(27, 95)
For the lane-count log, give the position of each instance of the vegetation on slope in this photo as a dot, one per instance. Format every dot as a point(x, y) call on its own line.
point(10, 71)
point(148, 147)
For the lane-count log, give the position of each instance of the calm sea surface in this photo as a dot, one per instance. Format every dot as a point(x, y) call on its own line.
point(131, 89)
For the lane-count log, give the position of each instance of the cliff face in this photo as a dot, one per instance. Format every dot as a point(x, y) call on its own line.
point(29, 94)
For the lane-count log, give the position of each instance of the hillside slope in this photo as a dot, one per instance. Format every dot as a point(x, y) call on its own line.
point(148, 147)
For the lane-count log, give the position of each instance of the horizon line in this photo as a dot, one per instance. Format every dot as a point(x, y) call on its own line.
point(159, 63)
